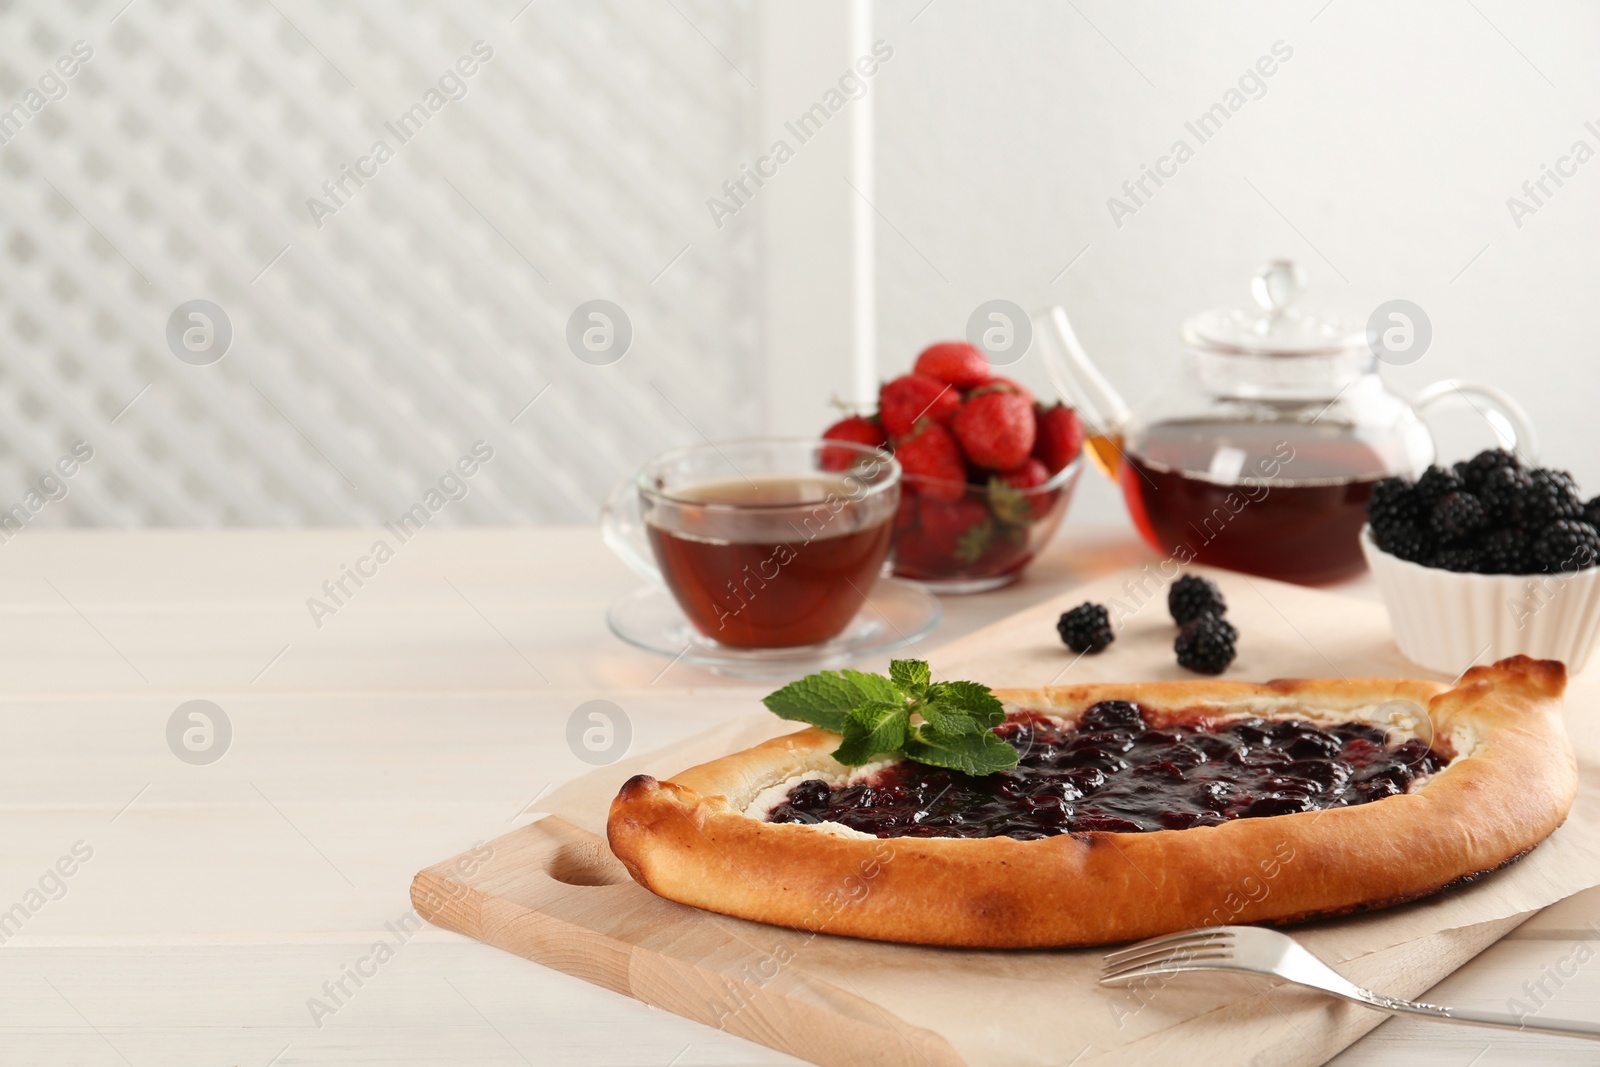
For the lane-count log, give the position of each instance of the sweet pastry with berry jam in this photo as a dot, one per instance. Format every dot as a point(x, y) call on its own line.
point(1133, 810)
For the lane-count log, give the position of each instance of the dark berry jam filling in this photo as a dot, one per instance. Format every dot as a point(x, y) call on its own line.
point(1115, 772)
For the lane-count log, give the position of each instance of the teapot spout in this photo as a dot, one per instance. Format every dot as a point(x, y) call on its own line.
point(1076, 378)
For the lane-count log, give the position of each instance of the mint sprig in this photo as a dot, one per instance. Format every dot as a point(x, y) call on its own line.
point(825, 698)
point(943, 724)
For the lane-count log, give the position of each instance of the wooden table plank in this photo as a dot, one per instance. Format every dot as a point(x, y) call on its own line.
point(440, 1000)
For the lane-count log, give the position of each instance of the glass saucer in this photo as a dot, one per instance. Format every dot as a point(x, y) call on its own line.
point(895, 615)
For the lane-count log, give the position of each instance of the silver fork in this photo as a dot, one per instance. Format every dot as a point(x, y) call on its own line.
point(1254, 950)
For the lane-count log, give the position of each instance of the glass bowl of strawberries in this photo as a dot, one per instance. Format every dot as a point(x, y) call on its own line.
point(988, 470)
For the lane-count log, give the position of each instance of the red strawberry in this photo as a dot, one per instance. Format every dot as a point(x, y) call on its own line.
point(914, 557)
point(905, 516)
point(904, 400)
point(996, 429)
point(857, 429)
point(946, 523)
point(1008, 551)
point(1031, 475)
point(1001, 385)
point(1060, 437)
point(955, 362)
point(932, 461)
point(1025, 503)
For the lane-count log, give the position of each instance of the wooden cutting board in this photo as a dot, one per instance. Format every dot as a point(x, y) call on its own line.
point(552, 892)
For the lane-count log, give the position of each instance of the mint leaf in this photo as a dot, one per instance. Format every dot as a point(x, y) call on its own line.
point(823, 699)
point(873, 729)
point(975, 754)
point(873, 716)
point(972, 699)
point(909, 674)
point(949, 719)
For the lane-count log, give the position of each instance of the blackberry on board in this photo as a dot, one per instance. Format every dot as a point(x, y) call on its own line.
point(1191, 596)
point(1393, 503)
point(1566, 545)
point(1591, 512)
point(1458, 518)
point(1206, 645)
point(1086, 628)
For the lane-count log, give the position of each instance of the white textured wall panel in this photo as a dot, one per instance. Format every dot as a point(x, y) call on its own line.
point(374, 344)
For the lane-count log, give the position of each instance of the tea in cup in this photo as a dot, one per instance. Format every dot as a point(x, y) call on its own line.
point(767, 543)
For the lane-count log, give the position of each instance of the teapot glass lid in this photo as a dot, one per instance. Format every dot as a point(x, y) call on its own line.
point(1275, 326)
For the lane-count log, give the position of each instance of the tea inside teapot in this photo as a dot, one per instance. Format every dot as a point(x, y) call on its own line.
point(1280, 500)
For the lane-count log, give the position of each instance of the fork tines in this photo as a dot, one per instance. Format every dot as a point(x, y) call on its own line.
point(1190, 950)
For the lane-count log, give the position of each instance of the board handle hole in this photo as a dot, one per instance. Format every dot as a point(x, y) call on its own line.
point(586, 863)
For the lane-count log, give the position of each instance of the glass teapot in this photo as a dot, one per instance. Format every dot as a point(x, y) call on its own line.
point(1262, 453)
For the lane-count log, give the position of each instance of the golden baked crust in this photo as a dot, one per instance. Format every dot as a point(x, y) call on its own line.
point(1511, 782)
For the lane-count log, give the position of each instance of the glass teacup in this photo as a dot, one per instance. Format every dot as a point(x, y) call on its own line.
point(764, 543)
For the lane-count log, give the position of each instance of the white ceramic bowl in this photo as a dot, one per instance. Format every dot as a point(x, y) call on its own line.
point(1447, 622)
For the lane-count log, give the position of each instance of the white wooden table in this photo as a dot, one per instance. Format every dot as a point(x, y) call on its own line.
point(428, 711)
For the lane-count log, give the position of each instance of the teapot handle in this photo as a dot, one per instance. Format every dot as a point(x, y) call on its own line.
point(1504, 415)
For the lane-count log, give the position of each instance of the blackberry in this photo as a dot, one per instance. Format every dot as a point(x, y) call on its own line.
point(1462, 559)
point(1393, 504)
point(1501, 492)
point(810, 795)
point(1591, 512)
point(1435, 484)
point(1550, 495)
point(1476, 469)
point(1566, 545)
point(1086, 628)
point(1409, 542)
point(1191, 596)
point(1505, 551)
point(1457, 518)
point(1205, 645)
point(1111, 715)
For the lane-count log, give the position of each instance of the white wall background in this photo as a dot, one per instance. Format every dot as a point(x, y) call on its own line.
point(1384, 150)
point(428, 312)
